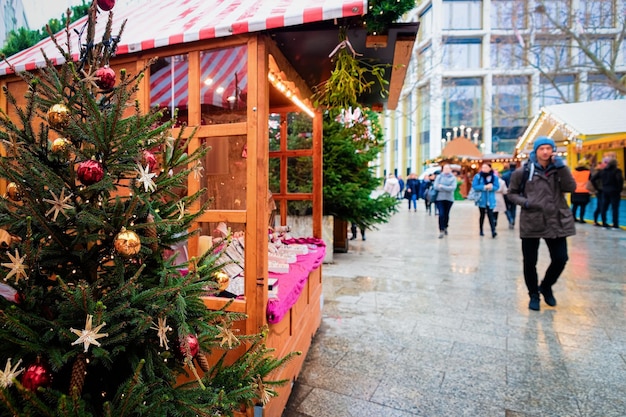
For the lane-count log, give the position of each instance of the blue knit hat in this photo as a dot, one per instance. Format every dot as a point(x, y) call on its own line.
point(543, 140)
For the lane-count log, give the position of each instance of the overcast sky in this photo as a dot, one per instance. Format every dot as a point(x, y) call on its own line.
point(38, 12)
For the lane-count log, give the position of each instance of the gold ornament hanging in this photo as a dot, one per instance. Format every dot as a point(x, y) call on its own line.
point(222, 279)
point(58, 116)
point(127, 243)
point(60, 145)
point(13, 192)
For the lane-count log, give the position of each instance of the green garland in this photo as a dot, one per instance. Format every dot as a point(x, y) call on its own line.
point(382, 13)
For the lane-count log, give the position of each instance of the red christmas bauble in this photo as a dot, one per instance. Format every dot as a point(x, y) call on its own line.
point(106, 5)
point(90, 172)
point(36, 375)
point(150, 160)
point(106, 78)
point(194, 346)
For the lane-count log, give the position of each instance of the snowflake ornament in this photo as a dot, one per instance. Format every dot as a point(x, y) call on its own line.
point(89, 336)
point(10, 373)
point(59, 204)
point(162, 328)
point(145, 178)
point(16, 266)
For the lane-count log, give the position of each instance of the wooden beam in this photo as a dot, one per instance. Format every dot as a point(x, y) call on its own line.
point(401, 58)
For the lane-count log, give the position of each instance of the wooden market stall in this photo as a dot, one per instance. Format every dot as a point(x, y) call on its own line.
point(229, 72)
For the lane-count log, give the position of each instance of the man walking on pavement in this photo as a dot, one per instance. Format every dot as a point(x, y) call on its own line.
point(539, 187)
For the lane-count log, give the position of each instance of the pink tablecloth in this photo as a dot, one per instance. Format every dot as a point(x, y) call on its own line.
point(290, 285)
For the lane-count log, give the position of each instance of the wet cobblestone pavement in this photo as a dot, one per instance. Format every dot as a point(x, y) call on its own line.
point(414, 325)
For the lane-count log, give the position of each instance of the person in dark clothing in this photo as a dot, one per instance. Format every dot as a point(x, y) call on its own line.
point(539, 188)
point(412, 190)
point(510, 207)
point(612, 184)
point(596, 181)
point(353, 229)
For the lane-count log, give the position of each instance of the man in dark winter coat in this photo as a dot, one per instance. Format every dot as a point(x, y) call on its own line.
point(510, 206)
point(539, 187)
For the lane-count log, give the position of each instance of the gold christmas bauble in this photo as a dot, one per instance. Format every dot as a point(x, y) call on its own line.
point(13, 192)
point(59, 116)
point(60, 145)
point(127, 243)
point(222, 279)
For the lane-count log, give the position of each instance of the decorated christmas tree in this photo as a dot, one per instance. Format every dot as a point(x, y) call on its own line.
point(96, 316)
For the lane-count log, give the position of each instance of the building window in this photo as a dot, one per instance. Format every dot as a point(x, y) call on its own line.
point(600, 89)
point(598, 14)
point(552, 13)
point(557, 90)
point(601, 48)
point(426, 24)
point(551, 54)
point(425, 61)
point(462, 53)
point(462, 14)
point(423, 115)
point(462, 102)
point(510, 101)
point(507, 52)
point(509, 14)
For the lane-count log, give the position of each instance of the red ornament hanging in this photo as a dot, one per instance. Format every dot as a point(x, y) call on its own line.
point(106, 5)
point(150, 160)
point(106, 77)
point(90, 172)
point(192, 342)
point(36, 375)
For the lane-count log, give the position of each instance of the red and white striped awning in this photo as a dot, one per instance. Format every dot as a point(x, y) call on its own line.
point(171, 22)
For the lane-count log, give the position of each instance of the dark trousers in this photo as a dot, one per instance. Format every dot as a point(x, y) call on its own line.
point(413, 200)
point(443, 207)
point(599, 204)
point(510, 211)
point(612, 200)
point(490, 215)
point(558, 259)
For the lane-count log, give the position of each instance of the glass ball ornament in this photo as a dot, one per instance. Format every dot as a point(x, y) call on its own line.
point(222, 279)
point(90, 172)
point(58, 116)
point(13, 192)
point(35, 376)
point(106, 5)
point(127, 243)
point(60, 145)
point(106, 77)
point(194, 346)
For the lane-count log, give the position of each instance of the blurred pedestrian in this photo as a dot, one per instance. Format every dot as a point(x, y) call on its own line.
point(392, 186)
point(445, 185)
point(596, 181)
point(500, 195)
point(511, 208)
point(412, 190)
point(612, 185)
point(581, 196)
point(539, 187)
point(487, 183)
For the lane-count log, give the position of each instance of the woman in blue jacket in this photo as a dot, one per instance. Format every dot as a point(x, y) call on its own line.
point(487, 183)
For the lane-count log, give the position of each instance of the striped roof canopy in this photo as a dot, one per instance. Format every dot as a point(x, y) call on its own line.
point(172, 22)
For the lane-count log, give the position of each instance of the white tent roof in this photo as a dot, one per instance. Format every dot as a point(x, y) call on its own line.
point(576, 121)
point(592, 118)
